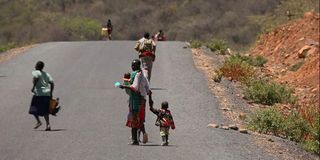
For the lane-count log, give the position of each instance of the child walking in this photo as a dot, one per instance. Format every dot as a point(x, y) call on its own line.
point(164, 121)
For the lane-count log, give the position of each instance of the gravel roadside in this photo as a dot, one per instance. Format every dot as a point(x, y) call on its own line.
point(237, 110)
point(4, 56)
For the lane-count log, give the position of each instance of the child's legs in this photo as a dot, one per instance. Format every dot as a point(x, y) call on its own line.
point(164, 132)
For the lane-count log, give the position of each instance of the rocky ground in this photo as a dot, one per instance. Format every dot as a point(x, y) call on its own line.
point(292, 43)
point(295, 43)
point(237, 110)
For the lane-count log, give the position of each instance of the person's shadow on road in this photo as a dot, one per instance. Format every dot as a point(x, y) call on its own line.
point(158, 89)
point(53, 130)
point(154, 145)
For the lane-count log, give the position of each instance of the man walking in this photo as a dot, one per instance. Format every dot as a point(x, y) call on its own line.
point(146, 47)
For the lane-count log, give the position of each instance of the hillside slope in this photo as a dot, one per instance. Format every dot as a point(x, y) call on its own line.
point(183, 20)
point(292, 51)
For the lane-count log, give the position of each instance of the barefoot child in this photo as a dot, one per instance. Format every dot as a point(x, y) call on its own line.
point(164, 121)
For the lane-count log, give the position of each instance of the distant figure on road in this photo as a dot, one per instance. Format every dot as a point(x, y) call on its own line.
point(146, 48)
point(42, 88)
point(160, 36)
point(110, 27)
point(164, 121)
point(106, 30)
point(139, 89)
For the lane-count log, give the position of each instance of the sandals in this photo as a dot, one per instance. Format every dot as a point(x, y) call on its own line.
point(37, 125)
point(48, 128)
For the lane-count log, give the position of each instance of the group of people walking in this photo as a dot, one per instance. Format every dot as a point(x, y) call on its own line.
point(138, 89)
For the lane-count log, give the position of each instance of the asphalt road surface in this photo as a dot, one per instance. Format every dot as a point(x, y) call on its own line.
point(91, 124)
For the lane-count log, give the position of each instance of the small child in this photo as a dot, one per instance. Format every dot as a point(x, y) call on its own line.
point(164, 121)
point(126, 81)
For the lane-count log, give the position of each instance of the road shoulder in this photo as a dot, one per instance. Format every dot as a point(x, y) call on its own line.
point(232, 105)
point(14, 52)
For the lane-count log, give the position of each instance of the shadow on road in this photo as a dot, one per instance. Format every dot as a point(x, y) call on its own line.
point(158, 89)
point(114, 88)
point(53, 130)
point(154, 145)
point(150, 145)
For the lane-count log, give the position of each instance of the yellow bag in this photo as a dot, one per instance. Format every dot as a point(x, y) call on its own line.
point(104, 32)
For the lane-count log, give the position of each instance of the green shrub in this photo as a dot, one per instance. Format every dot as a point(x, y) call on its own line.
point(268, 93)
point(311, 146)
point(296, 128)
point(195, 44)
point(280, 14)
point(313, 143)
point(81, 28)
point(217, 45)
point(237, 69)
point(259, 61)
point(268, 120)
point(293, 127)
point(5, 47)
point(296, 66)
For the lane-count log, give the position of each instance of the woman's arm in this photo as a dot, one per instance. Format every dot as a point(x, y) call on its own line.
point(51, 88)
point(35, 81)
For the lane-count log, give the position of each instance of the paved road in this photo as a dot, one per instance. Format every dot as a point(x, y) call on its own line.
point(91, 123)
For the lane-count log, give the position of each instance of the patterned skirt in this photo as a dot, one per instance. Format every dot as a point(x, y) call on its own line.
point(137, 121)
point(39, 105)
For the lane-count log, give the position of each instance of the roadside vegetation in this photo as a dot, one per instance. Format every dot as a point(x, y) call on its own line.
point(286, 10)
point(300, 123)
point(268, 93)
point(79, 28)
point(5, 47)
point(195, 44)
point(234, 68)
point(34, 21)
point(292, 126)
point(217, 45)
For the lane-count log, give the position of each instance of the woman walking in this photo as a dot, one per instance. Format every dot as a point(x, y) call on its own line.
point(42, 88)
point(139, 90)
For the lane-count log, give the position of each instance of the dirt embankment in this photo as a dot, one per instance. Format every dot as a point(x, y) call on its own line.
point(292, 51)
